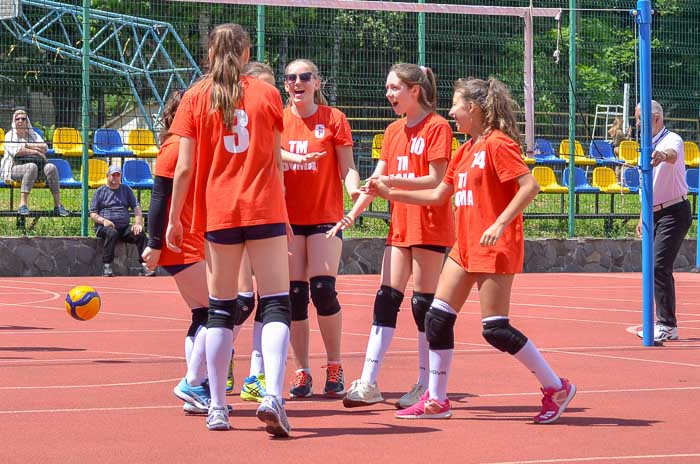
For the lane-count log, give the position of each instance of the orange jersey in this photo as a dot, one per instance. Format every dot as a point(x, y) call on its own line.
point(408, 152)
point(484, 177)
point(236, 181)
point(192, 244)
point(314, 191)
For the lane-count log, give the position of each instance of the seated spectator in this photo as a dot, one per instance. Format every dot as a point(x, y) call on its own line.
point(616, 135)
point(25, 161)
point(109, 210)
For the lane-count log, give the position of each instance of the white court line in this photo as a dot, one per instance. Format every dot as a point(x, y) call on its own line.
point(655, 457)
point(125, 408)
point(97, 385)
point(64, 332)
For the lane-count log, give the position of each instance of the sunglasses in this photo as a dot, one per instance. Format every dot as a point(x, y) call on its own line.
point(20, 119)
point(304, 77)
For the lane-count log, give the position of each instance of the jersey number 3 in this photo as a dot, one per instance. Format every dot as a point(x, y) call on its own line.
point(239, 141)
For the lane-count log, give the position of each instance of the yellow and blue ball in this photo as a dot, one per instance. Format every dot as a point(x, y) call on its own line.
point(83, 303)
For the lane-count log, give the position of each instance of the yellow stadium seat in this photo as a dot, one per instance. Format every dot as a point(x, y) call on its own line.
point(455, 145)
point(97, 173)
point(547, 181)
point(2, 141)
point(68, 142)
point(377, 141)
point(692, 154)
point(580, 159)
point(606, 181)
point(628, 152)
point(143, 143)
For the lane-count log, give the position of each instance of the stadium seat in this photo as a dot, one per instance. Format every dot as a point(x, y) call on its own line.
point(2, 141)
point(65, 175)
point(602, 152)
point(68, 142)
point(455, 145)
point(108, 142)
point(579, 158)
point(604, 178)
point(630, 179)
point(691, 177)
point(581, 184)
point(50, 151)
point(97, 173)
point(692, 154)
point(143, 143)
point(544, 153)
point(137, 174)
point(629, 152)
point(547, 181)
point(377, 145)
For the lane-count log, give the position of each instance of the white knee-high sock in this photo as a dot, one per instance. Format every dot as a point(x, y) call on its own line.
point(256, 360)
point(219, 342)
point(531, 358)
point(189, 344)
point(197, 361)
point(377, 346)
point(275, 345)
point(423, 359)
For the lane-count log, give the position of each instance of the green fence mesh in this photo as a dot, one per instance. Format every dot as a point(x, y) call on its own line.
point(142, 49)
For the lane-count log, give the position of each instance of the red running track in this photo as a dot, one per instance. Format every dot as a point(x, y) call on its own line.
point(101, 391)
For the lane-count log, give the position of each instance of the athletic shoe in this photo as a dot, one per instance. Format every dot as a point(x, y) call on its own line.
point(272, 413)
point(253, 388)
point(555, 401)
point(61, 211)
point(218, 419)
point(145, 272)
point(197, 396)
point(107, 270)
point(23, 210)
point(192, 410)
point(302, 387)
point(662, 332)
point(426, 408)
point(410, 398)
point(229, 378)
point(335, 380)
point(362, 393)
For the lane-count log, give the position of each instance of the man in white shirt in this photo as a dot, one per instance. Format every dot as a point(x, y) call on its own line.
point(672, 218)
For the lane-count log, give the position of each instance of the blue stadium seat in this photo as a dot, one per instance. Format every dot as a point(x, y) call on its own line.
point(630, 179)
point(581, 184)
point(108, 142)
point(603, 154)
point(50, 151)
point(65, 175)
point(691, 177)
point(544, 153)
point(137, 174)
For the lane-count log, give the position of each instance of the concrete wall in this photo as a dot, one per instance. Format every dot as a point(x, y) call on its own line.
point(78, 256)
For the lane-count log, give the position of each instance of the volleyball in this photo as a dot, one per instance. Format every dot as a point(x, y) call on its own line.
point(83, 303)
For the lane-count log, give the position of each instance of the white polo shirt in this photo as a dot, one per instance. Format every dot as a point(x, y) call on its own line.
point(669, 178)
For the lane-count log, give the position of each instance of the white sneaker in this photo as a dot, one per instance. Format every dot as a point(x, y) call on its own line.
point(218, 419)
point(271, 412)
point(662, 332)
point(362, 393)
point(410, 398)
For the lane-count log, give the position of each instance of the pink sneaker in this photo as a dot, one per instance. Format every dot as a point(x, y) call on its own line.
point(555, 401)
point(426, 408)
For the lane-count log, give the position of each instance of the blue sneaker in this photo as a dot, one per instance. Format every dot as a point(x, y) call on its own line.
point(23, 210)
point(272, 413)
point(253, 388)
point(197, 396)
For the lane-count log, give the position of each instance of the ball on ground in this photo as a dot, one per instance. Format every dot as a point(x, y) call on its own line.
point(83, 303)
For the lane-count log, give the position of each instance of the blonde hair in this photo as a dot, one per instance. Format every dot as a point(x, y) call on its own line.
point(256, 68)
point(412, 74)
point(227, 45)
point(319, 98)
point(495, 101)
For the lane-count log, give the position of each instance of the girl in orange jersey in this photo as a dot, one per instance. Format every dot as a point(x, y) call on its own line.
point(491, 187)
point(317, 150)
point(415, 153)
point(229, 127)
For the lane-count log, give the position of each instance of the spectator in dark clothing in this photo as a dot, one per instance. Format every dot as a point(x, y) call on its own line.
point(109, 210)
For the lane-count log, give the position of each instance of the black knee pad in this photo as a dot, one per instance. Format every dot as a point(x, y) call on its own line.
point(420, 304)
point(386, 306)
point(299, 299)
point(440, 329)
point(199, 319)
point(245, 305)
point(500, 334)
point(221, 313)
point(324, 296)
point(276, 309)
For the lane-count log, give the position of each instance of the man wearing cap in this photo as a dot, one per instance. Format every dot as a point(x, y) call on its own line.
point(109, 210)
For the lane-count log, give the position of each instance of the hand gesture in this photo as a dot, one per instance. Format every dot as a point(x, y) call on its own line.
point(312, 157)
point(173, 236)
point(343, 224)
point(491, 235)
point(375, 186)
point(137, 229)
point(150, 257)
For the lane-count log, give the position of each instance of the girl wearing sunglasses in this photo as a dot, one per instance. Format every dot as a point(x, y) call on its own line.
point(229, 127)
point(317, 150)
point(415, 153)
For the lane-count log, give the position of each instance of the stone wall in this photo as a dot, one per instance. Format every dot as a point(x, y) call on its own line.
point(81, 256)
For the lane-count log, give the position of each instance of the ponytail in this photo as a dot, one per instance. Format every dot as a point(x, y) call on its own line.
point(411, 75)
point(227, 46)
point(495, 101)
